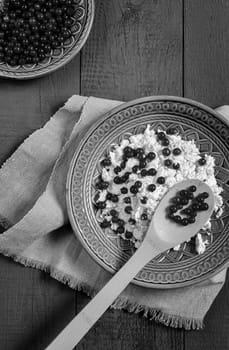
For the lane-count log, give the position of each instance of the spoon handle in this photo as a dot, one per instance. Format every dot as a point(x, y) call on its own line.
point(80, 325)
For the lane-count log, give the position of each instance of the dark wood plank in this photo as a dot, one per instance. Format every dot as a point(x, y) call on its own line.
point(215, 335)
point(135, 49)
point(120, 330)
point(33, 306)
point(206, 55)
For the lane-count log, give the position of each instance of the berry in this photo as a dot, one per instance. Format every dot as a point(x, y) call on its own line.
point(191, 220)
point(151, 188)
point(202, 161)
point(151, 156)
point(121, 222)
point(161, 135)
point(123, 164)
point(128, 209)
point(187, 211)
point(114, 198)
point(114, 212)
point(195, 206)
point(192, 188)
point(176, 200)
point(171, 131)
point(139, 152)
point(128, 235)
point(161, 180)
point(177, 151)
point(144, 172)
point(190, 195)
point(144, 216)
point(165, 142)
point(152, 172)
point(144, 200)
point(124, 190)
point(102, 185)
point(115, 219)
point(173, 209)
point(117, 169)
point(176, 166)
point(138, 184)
point(128, 152)
point(177, 219)
point(132, 221)
point(117, 180)
point(171, 216)
point(166, 152)
point(101, 205)
point(106, 162)
point(142, 164)
point(133, 189)
point(199, 199)
point(135, 169)
point(184, 201)
point(204, 195)
point(109, 196)
point(105, 224)
point(168, 162)
point(184, 221)
point(127, 200)
point(120, 229)
point(125, 177)
point(204, 206)
point(183, 193)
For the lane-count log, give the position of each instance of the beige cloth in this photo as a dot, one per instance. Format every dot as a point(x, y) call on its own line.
point(32, 202)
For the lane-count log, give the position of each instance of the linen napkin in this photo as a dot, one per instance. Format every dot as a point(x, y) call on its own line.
point(33, 207)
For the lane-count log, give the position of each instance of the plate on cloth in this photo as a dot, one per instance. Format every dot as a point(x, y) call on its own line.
point(210, 131)
point(82, 20)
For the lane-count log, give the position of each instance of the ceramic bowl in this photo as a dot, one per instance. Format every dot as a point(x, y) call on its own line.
point(194, 121)
point(82, 22)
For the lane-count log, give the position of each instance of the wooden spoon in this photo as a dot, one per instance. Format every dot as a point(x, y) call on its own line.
point(162, 234)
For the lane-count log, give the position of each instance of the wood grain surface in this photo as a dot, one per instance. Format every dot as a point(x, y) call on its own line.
point(33, 306)
point(136, 48)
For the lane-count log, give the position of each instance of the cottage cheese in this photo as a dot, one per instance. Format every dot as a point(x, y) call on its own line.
point(189, 168)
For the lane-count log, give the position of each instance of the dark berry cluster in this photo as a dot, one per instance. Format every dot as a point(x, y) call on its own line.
point(31, 29)
point(119, 222)
point(182, 199)
point(162, 138)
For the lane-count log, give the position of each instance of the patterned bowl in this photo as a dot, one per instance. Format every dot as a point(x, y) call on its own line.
point(210, 131)
point(82, 23)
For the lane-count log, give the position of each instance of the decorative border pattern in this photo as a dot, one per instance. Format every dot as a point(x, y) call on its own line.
point(82, 23)
point(212, 135)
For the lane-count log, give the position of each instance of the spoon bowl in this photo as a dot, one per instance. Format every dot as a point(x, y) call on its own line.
point(166, 233)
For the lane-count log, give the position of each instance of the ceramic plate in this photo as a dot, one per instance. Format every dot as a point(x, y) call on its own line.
point(82, 20)
point(210, 131)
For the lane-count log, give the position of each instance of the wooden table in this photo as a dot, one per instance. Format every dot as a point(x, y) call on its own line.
point(136, 48)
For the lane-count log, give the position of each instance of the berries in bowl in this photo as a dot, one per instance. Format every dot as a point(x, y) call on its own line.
point(37, 37)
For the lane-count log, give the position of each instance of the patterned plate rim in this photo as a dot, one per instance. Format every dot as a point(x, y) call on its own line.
point(113, 111)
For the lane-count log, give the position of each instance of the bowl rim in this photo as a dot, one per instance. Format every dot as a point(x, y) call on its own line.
point(71, 169)
point(63, 60)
